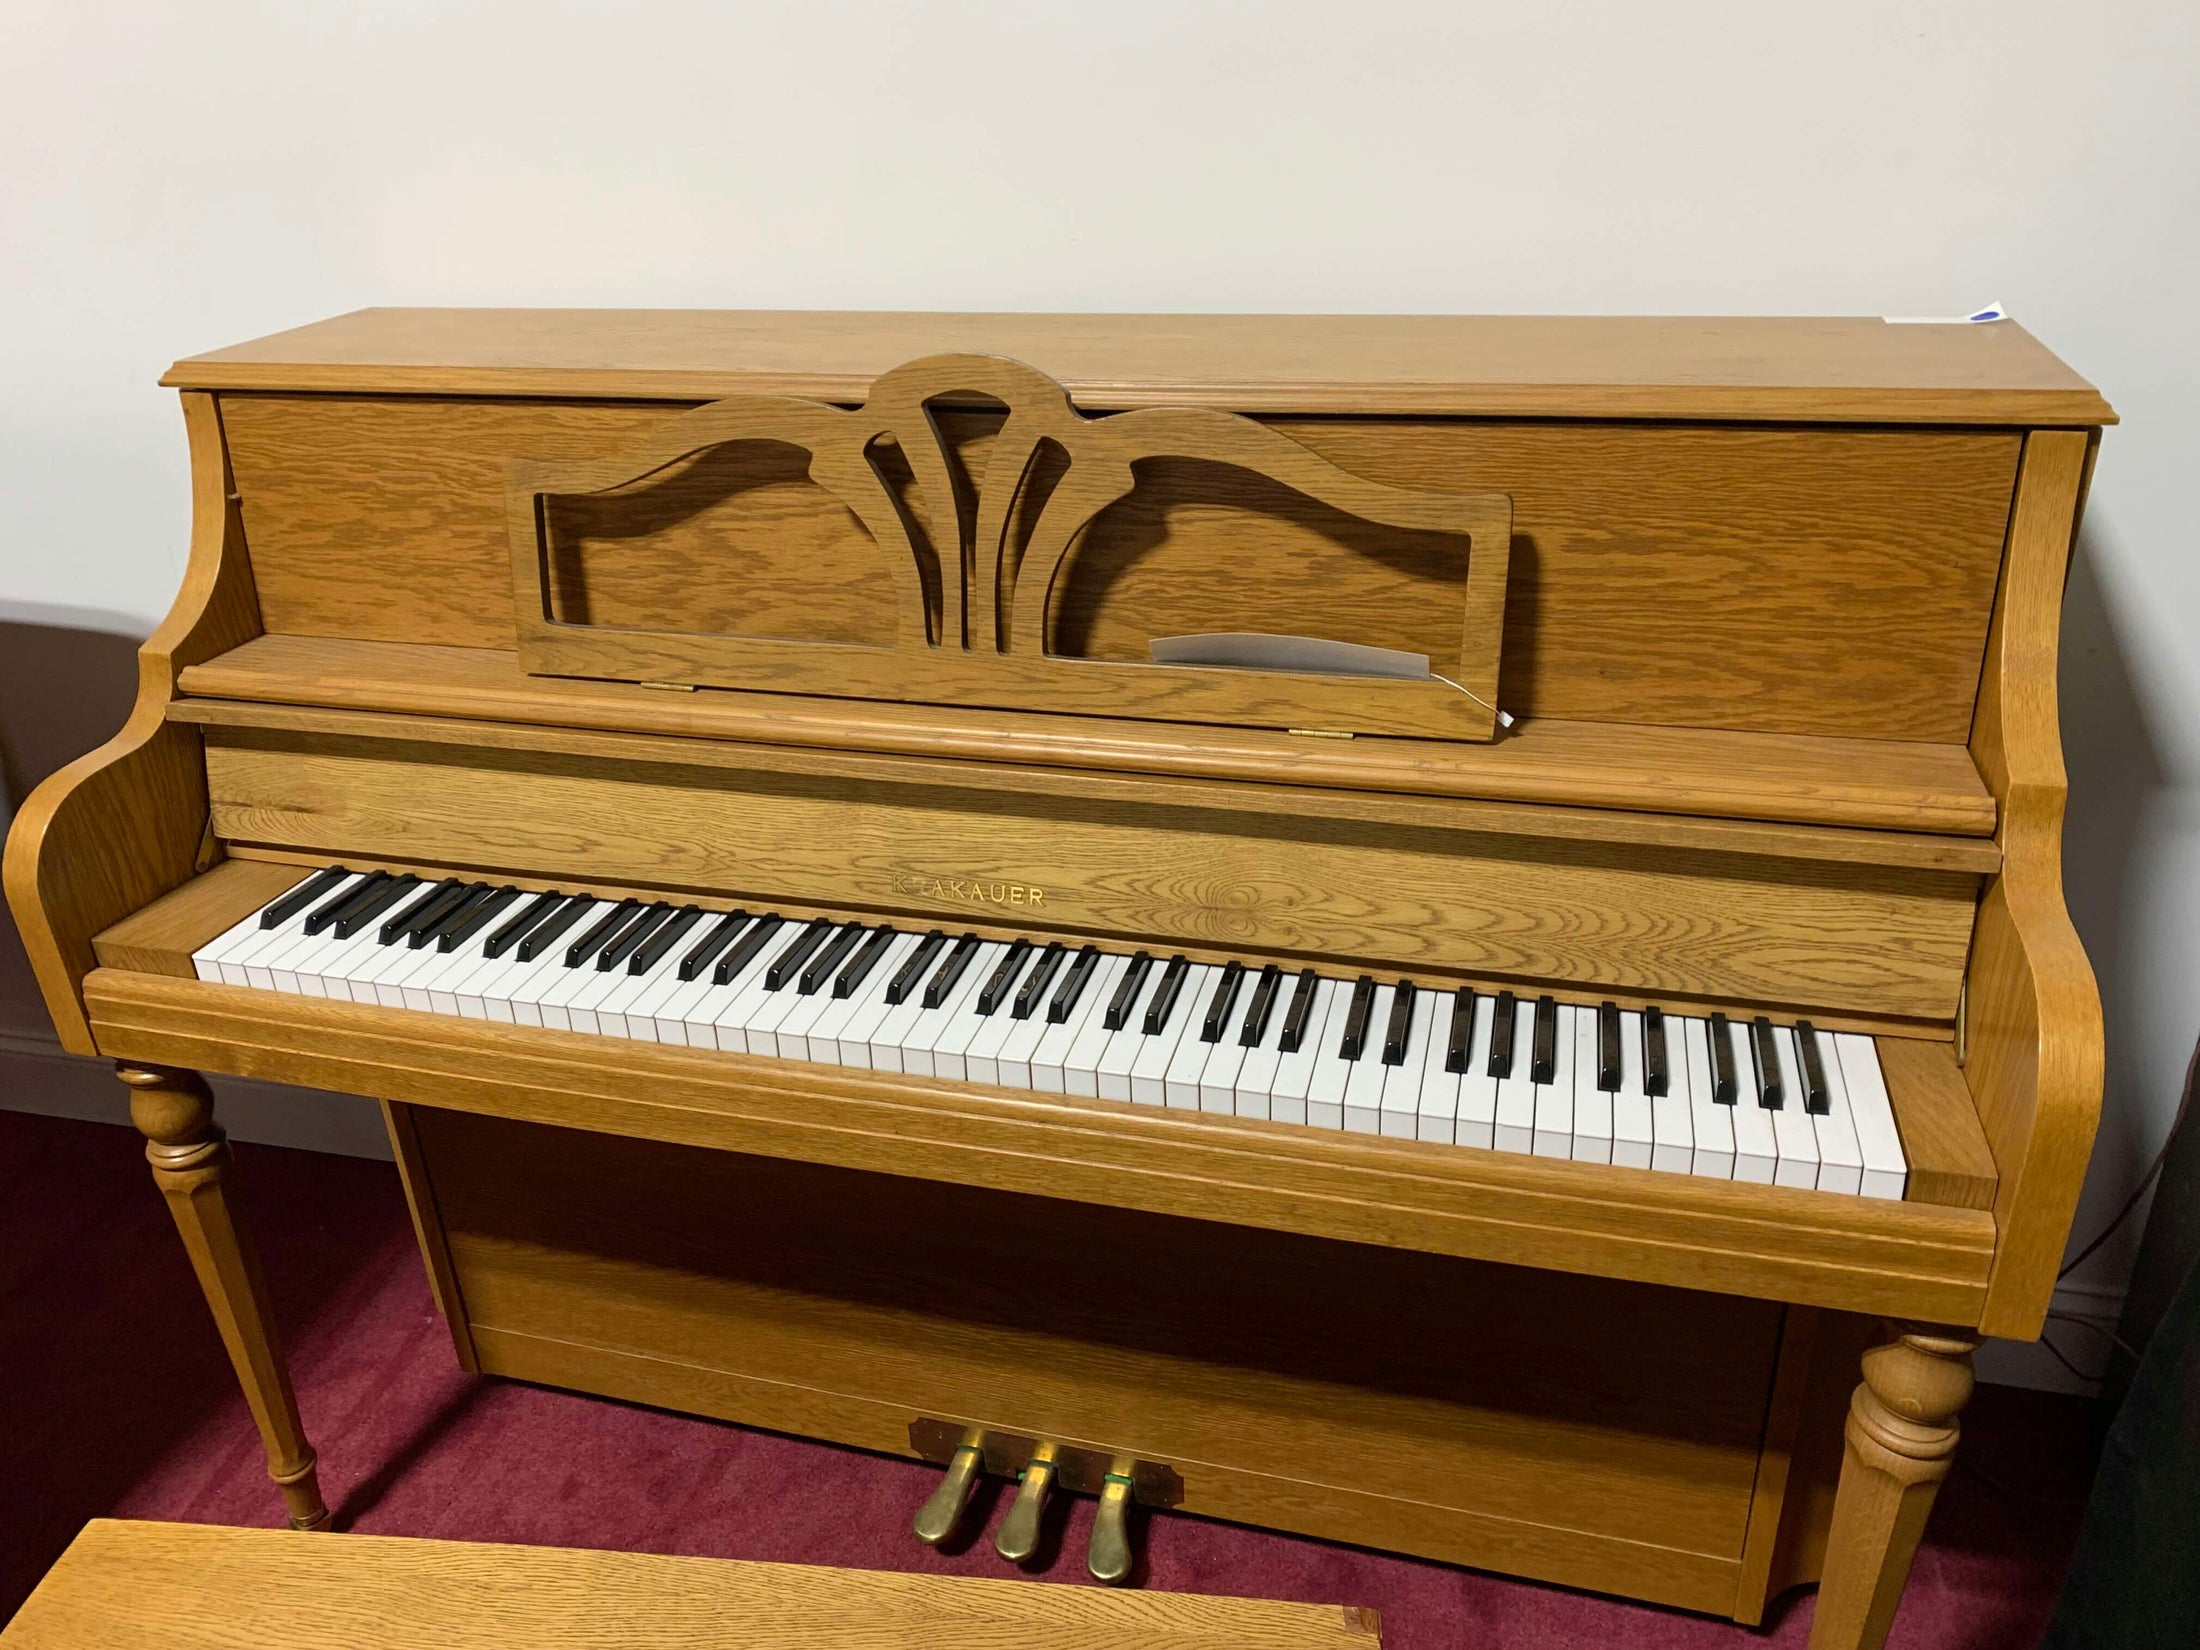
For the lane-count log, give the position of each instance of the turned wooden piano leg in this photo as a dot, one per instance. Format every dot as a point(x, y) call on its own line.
point(191, 1161)
point(1901, 1438)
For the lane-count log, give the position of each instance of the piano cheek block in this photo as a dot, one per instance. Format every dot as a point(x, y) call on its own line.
point(740, 890)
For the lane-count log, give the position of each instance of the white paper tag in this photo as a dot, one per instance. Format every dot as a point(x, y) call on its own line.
point(1992, 312)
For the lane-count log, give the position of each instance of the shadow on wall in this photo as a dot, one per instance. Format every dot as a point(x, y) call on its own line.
point(64, 689)
point(2117, 778)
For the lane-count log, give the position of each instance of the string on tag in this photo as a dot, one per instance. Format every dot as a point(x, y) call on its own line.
point(1503, 720)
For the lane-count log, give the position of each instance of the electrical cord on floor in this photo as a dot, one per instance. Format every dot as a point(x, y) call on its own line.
point(2184, 1105)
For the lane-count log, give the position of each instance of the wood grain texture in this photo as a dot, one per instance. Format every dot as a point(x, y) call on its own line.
point(1901, 1439)
point(427, 1218)
point(122, 825)
point(1617, 1421)
point(159, 938)
point(1819, 581)
point(2033, 1013)
point(1856, 939)
point(193, 1168)
point(1785, 1415)
point(1816, 370)
point(1950, 1161)
point(1831, 845)
point(1717, 775)
point(1765, 1241)
point(122, 1586)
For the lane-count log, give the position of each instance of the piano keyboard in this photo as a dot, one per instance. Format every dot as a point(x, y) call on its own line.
point(1725, 1098)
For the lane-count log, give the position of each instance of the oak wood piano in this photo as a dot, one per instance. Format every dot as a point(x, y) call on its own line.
point(709, 775)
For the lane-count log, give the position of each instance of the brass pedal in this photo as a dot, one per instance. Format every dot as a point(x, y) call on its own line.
point(943, 1509)
point(1042, 1466)
point(1108, 1556)
point(1018, 1537)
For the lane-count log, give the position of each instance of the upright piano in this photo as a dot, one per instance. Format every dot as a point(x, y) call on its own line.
point(1439, 932)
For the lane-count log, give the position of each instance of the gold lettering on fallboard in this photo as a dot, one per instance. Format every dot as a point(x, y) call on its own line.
point(967, 890)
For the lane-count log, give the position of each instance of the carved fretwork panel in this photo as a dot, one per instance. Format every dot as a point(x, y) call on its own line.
point(972, 538)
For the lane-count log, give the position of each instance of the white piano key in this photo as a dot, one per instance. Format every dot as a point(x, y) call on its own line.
point(1634, 1140)
point(555, 1002)
point(1149, 1072)
point(1102, 1058)
point(1013, 1070)
point(1514, 1129)
point(401, 987)
point(761, 1027)
point(663, 985)
point(1708, 1121)
point(1477, 1124)
point(982, 1059)
point(1840, 1159)
point(888, 1040)
point(1436, 1106)
point(206, 960)
point(1672, 1114)
point(1886, 1168)
point(1218, 1078)
point(841, 1033)
point(1287, 1101)
point(950, 1048)
point(1188, 1066)
point(1554, 1101)
point(793, 1033)
point(430, 990)
point(622, 1014)
point(1332, 1071)
point(949, 1021)
point(1363, 1088)
point(1756, 1153)
point(1057, 1050)
point(313, 966)
point(1253, 1091)
point(1401, 1109)
point(1592, 1120)
point(1794, 1131)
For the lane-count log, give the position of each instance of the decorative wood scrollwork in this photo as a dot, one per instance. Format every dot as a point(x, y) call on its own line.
point(986, 641)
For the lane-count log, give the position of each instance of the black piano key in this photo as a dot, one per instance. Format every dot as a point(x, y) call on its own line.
point(827, 962)
point(1126, 994)
point(1543, 1057)
point(1502, 1028)
point(789, 962)
point(1355, 1025)
point(1293, 1037)
point(652, 950)
point(1073, 985)
point(1657, 1076)
point(1034, 988)
point(942, 983)
point(632, 937)
point(454, 912)
point(1725, 1089)
point(864, 961)
point(995, 990)
point(547, 933)
point(1460, 1042)
point(1764, 1054)
point(1817, 1099)
point(758, 935)
point(1400, 1030)
point(1221, 1002)
point(598, 933)
point(1166, 993)
point(516, 929)
point(1263, 1006)
point(339, 906)
point(912, 972)
point(1608, 1063)
point(721, 935)
point(373, 906)
point(479, 913)
point(430, 905)
point(318, 884)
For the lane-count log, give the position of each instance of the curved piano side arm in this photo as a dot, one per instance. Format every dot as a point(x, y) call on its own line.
point(119, 827)
point(2032, 1016)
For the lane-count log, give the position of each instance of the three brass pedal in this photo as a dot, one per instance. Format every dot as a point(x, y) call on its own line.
point(1039, 1466)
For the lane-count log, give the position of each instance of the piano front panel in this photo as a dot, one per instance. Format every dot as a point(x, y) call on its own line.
point(1580, 1430)
point(1797, 580)
point(1870, 944)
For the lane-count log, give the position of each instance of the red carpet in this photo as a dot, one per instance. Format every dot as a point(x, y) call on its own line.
point(121, 1403)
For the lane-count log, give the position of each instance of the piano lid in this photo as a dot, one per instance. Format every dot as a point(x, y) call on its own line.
point(1841, 369)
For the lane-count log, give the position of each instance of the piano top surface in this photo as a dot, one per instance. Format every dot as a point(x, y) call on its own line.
point(1842, 369)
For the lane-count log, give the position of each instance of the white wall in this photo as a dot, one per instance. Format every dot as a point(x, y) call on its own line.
point(181, 177)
